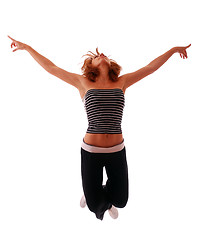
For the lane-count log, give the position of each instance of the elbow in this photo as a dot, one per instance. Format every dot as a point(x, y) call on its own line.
point(52, 69)
point(150, 69)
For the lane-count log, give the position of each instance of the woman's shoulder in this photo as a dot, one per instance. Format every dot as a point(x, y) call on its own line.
point(87, 85)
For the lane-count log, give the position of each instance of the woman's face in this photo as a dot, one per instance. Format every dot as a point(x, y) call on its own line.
point(100, 60)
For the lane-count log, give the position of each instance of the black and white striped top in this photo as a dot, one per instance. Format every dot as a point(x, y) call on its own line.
point(104, 109)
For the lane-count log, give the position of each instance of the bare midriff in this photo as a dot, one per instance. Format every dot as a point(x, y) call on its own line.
point(103, 140)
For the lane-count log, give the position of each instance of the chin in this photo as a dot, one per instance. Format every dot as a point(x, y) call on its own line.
point(104, 61)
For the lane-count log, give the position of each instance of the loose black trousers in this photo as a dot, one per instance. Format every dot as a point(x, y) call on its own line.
point(100, 197)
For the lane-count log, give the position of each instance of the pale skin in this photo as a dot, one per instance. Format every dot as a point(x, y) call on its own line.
point(102, 82)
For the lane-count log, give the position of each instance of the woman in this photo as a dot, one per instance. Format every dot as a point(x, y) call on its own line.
point(102, 91)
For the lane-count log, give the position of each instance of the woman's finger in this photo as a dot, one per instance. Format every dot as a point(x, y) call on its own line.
point(12, 44)
point(11, 38)
point(185, 53)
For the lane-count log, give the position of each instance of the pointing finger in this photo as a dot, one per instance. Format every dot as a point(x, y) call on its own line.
point(11, 38)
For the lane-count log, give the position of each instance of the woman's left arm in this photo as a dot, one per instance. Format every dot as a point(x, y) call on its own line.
point(158, 62)
point(131, 78)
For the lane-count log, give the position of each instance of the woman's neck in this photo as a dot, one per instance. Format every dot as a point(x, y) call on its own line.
point(103, 76)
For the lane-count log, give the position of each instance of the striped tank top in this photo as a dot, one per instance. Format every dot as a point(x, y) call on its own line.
point(104, 108)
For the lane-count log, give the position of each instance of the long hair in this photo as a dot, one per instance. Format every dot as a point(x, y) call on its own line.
point(93, 72)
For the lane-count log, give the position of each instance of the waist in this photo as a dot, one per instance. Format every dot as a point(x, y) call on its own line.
point(95, 149)
point(103, 140)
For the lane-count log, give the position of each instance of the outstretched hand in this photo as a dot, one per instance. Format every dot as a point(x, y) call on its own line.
point(17, 44)
point(182, 51)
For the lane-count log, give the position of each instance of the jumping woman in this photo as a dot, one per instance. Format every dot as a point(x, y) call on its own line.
point(102, 91)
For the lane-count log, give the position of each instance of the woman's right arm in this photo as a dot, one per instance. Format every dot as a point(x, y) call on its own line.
point(71, 78)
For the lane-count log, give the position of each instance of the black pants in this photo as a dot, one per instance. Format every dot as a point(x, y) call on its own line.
point(99, 198)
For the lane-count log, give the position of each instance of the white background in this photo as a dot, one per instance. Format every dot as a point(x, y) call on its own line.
point(43, 121)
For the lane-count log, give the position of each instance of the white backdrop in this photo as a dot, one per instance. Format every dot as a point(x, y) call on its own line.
point(43, 120)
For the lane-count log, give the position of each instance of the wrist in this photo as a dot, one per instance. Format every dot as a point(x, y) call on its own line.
point(26, 47)
point(174, 50)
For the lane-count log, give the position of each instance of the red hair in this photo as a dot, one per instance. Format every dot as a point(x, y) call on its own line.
point(93, 72)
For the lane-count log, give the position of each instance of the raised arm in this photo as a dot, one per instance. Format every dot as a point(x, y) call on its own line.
point(71, 78)
point(133, 77)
